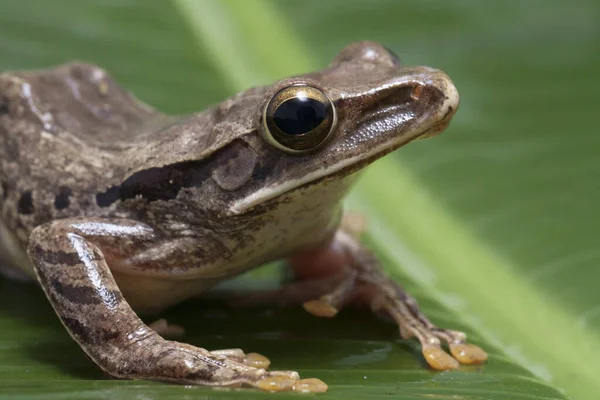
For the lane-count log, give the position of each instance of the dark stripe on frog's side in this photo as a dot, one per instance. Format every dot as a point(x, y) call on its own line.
point(156, 183)
point(165, 183)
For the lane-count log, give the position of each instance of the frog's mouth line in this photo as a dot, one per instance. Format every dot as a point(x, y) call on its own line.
point(341, 169)
point(352, 164)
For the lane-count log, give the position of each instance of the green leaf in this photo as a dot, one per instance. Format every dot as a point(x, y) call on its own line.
point(492, 225)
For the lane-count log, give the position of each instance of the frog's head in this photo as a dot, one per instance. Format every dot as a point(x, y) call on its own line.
point(328, 124)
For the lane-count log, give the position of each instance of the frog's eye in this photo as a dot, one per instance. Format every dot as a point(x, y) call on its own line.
point(298, 118)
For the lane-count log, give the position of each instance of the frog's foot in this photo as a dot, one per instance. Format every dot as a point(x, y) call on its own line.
point(329, 304)
point(219, 368)
point(413, 323)
point(171, 331)
point(274, 381)
point(364, 282)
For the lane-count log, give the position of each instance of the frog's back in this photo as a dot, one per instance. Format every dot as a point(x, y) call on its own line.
point(74, 143)
point(61, 130)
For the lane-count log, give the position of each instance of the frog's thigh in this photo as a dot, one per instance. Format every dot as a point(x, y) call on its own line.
point(365, 282)
point(73, 272)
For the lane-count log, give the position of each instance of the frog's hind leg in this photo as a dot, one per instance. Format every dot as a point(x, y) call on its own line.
point(70, 260)
point(365, 282)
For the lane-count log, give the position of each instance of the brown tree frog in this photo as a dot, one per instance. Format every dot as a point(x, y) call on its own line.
point(116, 209)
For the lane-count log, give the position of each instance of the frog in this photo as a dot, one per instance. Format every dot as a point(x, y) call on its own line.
point(118, 211)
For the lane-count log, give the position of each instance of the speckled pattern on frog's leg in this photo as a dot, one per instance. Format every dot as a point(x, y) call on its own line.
point(74, 274)
point(365, 282)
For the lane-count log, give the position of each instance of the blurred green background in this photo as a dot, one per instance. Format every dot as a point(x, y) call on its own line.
point(492, 225)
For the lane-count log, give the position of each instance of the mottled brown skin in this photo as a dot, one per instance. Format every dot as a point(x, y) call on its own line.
point(122, 209)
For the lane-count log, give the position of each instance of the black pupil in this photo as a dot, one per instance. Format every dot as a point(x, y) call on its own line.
point(299, 115)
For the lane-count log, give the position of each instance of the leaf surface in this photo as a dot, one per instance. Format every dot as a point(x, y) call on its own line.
point(492, 225)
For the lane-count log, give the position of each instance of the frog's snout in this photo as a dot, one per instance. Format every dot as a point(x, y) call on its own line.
point(448, 101)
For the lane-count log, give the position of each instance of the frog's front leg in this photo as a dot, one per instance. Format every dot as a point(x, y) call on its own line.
point(71, 259)
point(362, 280)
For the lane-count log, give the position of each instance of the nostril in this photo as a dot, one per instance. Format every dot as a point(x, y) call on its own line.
point(415, 94)
point(427, 93)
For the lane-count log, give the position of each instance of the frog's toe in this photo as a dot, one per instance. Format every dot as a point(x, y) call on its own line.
point(251, 359)
point(468, 353)
point(320, 308)
point(289, 374)
point(310, 385)
point(438, 359)
point(276, 383)
point(256, 360)
point(279, 381)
